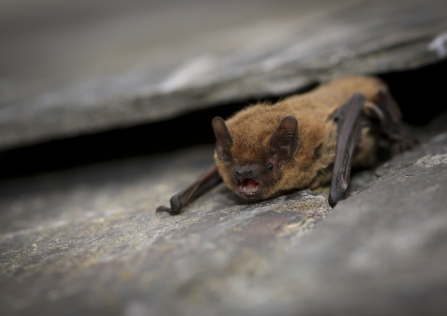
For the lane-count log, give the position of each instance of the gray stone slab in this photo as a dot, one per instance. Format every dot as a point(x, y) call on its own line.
point(87, 242)
point(81, 67)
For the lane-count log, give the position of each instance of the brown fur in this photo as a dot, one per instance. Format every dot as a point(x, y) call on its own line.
point(252, 128)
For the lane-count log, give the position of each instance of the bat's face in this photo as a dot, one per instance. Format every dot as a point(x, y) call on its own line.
point(249, 167)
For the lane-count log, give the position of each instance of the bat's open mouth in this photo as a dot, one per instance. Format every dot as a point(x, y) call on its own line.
point(249, 187)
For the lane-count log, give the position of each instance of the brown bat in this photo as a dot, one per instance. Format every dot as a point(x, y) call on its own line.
point(301, 142)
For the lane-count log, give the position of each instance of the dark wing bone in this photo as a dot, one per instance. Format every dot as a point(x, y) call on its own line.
point(349, 131)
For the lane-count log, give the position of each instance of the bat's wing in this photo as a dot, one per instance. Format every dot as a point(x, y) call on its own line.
point(203, 184)
point(349, 118)
point(349, 122)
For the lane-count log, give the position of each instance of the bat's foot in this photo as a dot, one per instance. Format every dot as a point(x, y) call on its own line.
point(404, 145)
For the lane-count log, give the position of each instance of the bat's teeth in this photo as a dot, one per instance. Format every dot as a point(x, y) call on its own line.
point(249, 187)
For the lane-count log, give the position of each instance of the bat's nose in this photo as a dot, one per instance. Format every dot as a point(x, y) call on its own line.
point(242, 172)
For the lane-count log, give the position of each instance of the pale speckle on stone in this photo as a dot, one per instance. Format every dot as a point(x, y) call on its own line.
point(439, 45)
point(194, 68)
point(430, 161)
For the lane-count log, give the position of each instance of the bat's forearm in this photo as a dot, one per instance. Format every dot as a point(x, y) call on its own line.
point(203, 184)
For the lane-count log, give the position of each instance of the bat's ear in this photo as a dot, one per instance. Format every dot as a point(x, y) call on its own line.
point(284, 140)
point(224, 140)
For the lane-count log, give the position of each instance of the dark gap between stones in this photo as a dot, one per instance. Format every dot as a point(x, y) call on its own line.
point(419, 92)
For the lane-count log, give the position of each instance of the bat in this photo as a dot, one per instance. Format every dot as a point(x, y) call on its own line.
point(303, 141)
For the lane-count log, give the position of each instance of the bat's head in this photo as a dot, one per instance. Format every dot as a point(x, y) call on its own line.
point(252, 159)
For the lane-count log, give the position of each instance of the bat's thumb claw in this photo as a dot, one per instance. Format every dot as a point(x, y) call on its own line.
point(165, 209)
point(162, 209)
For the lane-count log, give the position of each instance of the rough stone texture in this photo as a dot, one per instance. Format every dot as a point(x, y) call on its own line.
point(68, 68)
point(88, 242)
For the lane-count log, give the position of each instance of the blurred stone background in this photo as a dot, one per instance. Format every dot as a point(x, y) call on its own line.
point(74, 67)
point(104, 114)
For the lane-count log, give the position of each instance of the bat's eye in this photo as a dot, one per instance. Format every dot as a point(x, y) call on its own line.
point(269, 166)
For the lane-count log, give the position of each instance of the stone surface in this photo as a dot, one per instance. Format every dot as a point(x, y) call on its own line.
point(75, 67)
point(87, 242)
